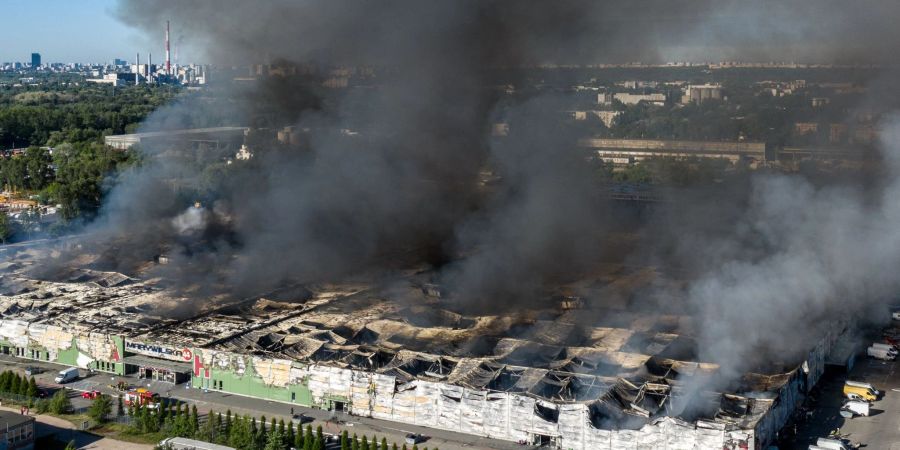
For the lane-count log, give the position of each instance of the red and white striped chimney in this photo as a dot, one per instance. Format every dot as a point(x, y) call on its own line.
point(168, 63)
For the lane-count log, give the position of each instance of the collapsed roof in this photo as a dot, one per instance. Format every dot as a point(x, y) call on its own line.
point(630, 366)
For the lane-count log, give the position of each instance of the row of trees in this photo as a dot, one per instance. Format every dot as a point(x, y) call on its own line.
point(170, 418)
point(74, 114)
point(74, 177)
point(244, 432)
point(25, 390)
point(676, 172)
point(32, 170)
point(15, 384)
point(72, 119)
point(747, 114)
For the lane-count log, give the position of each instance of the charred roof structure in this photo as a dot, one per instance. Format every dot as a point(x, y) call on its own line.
point(403, 354)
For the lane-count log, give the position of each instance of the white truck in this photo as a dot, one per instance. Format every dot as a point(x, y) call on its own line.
point(880, 353)
point(65, 376)
point(855, 408)
point(888, 347)
point(831, 444)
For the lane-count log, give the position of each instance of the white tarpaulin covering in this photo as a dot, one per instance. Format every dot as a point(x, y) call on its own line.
point(508, 416)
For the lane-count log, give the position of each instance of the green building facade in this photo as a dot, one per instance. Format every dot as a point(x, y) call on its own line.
point(97, 351)
point(250, 376)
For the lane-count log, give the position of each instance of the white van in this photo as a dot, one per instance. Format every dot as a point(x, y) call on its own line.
point(856, 408)
point(880, 353)
point(65, 376)
point(887, 347)
point(831, 444)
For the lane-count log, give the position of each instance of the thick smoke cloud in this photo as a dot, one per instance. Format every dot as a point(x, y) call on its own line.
point(564, 32)
point(777, 260)
point(799, 254)
point(406, 188)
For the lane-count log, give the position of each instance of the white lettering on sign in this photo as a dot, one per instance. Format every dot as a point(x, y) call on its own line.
point(159, 351)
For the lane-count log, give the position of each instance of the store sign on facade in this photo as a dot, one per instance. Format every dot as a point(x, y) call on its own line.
point(159, 351)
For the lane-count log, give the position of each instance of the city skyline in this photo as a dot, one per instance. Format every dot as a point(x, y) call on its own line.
point(68, 32)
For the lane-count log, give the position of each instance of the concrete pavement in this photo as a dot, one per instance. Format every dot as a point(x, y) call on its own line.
point(878, 431)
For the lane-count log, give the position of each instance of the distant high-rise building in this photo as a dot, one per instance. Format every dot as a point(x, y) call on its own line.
point(35, 60)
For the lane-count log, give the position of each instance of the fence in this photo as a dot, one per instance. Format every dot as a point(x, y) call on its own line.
point(16, 398)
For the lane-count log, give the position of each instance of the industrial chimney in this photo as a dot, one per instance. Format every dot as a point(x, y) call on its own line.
point(168, 61)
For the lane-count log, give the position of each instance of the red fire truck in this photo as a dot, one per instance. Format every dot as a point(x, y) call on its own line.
point(141, 397)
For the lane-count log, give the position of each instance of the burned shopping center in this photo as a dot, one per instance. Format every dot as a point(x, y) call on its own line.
point(575, 373)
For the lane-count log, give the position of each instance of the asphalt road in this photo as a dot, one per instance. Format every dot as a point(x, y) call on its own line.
point(220, 402)
point(879, 431)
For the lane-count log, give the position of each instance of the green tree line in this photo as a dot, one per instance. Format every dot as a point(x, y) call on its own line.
point(244, 432)
point(75, 114)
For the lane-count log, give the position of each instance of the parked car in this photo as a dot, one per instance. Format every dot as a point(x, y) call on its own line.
point(32, 371)
point(300, 419)
point(90, 394)
point(413, 439)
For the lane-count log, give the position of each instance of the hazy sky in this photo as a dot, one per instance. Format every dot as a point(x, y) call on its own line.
point(609, 30)
point(69, 31)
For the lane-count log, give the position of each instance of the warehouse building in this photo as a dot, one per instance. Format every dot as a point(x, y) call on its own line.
point(628, 151)
point(214, 138)
point(576, 373)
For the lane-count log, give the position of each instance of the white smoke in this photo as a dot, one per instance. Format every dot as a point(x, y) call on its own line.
point(190, 221)
point(829, 253)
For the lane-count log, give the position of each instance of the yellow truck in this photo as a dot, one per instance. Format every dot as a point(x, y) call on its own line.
point(855, 390)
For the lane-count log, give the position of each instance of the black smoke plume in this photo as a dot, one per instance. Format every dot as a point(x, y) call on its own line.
point(405, 185)
point(395, 168)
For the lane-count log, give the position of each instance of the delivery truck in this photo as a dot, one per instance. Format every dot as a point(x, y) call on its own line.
point(853, 408)
point(880, 353)
point(831, 444)
point(858, 390)
point(888, 347)
point(65, 376)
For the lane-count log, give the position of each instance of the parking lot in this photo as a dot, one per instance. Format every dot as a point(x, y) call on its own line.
point(881, 430)
point(219, 401)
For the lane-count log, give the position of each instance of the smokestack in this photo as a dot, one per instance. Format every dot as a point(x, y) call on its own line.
point(137, 69)
point(168, 61)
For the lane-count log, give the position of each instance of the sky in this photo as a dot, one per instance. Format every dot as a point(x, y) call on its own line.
point(69, 31)
point(646, 30)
